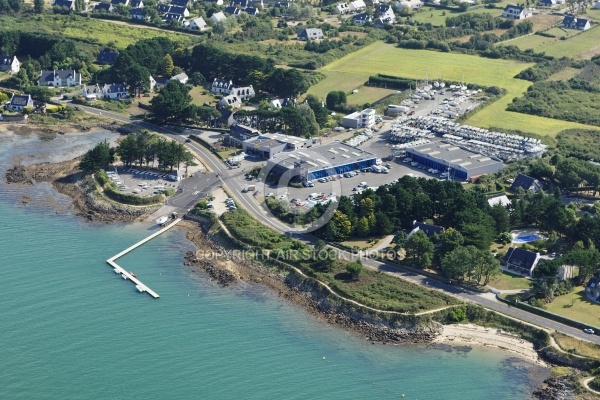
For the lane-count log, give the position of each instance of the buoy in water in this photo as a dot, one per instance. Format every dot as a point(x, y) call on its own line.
point(323, 358)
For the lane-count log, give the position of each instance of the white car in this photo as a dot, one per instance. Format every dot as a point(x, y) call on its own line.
point(589, 330)
point(271, 194)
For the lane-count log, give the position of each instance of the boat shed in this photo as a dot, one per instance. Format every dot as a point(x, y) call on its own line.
point(460, 163)
point(317, 162)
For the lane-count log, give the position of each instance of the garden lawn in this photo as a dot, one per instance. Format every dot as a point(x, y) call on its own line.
point(583, 310)
point(354, 69)
point(506, 281)
point(581, 46)
point(198, 98)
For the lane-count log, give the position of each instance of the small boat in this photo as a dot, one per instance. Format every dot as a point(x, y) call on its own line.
point(139, 288)
point(117, 271)
point(124, 276)
point(162, 220)
point(132, 274)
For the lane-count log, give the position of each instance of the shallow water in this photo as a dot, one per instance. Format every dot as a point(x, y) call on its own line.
point(71, 328)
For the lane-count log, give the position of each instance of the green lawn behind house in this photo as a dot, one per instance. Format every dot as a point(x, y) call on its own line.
point(506, 281)
point(576, 306)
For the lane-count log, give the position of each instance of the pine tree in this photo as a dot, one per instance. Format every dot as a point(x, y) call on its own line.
point(167, 65)
point(38, 6)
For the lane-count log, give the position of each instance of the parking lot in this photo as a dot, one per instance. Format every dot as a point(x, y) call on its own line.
point(139, 182)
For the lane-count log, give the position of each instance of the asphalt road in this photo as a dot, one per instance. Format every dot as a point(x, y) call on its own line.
point(232, 180)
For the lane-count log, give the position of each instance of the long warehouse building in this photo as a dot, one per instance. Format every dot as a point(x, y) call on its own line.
point(320, 161)
point(461, 163)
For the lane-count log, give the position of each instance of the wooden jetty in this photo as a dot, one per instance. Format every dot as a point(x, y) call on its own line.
point(128, 275)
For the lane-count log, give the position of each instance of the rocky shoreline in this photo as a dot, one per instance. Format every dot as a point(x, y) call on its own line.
point(66, 179)
point(225, 270)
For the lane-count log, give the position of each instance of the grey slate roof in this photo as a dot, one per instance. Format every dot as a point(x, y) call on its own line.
point(115, 88)
point(107, 57)
point(429, 230)
point(6, 60)
point(180, 3)
point(524, 258)
point(70, 4)
point(48, 76)
point(525, 182)
point(20, 100)
point(232, 10)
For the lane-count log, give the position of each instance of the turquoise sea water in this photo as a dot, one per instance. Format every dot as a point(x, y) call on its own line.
point(72, 329)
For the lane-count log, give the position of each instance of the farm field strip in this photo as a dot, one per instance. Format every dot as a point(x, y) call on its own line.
point(416, 64)
point(577, 46)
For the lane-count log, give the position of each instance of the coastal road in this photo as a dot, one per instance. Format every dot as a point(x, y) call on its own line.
point(232, 180)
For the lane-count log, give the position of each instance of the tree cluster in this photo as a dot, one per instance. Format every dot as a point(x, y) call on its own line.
point(145, 149)
point(100, 157)
point(394, 207)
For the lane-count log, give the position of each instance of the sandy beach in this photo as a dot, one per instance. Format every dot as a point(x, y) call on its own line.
point(474, 335)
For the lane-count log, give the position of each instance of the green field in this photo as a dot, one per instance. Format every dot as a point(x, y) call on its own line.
point(581, 46)
point(437, 17)
point(583, 310)
point(354, 69)
point(89, 29)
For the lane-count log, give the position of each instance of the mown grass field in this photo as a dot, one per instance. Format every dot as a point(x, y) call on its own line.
point(506, 281)
point(583, 45)
point(354, 69)
point(582, 309)
point(89, 29)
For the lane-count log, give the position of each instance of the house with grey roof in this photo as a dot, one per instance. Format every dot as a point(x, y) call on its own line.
point(117, 2)
point(196, 24)
point(362, 18)
point(239, 3)
point(592, 287)
point(521, 261)
point(218, 17)
point(91, 92)
point(181, 3)
point(182, 77)
point(385, 14)
point(60, 78)
point(19, 102)
point(9, 64)
point(572, 22)
point(526, 183)
point(138, 13)
point(136, 4)
point(104, 8)
point(232, 10)
point(107, 57)
point(252, 11)
point(516, 12)
point(115, 91)
point(310, 34)
point(68, 4)
point(221, 86)
point(428, 229)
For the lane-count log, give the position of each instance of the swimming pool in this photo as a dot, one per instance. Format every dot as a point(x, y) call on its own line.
point(527, 238)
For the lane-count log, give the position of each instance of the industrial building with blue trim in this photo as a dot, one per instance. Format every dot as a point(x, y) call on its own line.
point(320, 161)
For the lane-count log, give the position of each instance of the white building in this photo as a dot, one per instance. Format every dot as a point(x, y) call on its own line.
point(19, 102)
point(197, 24)
point(360, 119)
point(218, 17)
point(9, 64)
point(182, 77)
point(516, 12)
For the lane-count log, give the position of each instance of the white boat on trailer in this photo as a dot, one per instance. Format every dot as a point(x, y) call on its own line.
point(162, 220)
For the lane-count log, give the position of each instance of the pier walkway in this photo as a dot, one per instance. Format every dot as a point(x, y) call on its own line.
point(124, 273)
